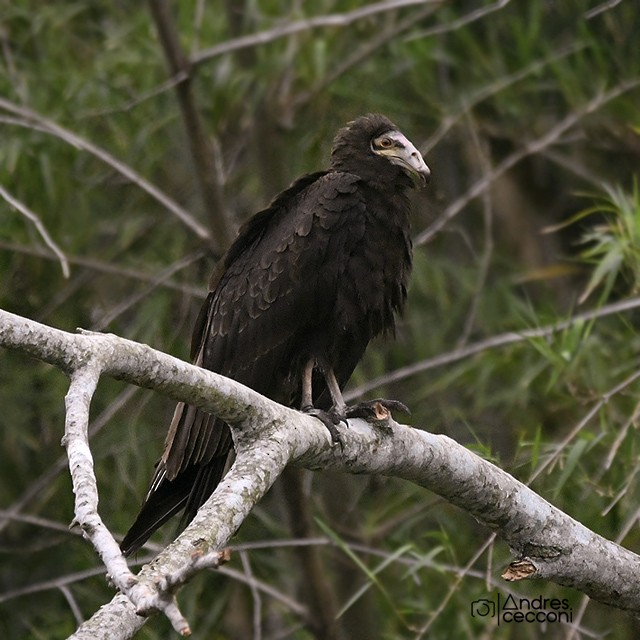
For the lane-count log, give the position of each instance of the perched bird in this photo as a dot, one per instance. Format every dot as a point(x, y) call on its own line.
point(293, 304)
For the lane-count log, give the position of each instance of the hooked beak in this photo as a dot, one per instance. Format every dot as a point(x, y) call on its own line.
point(403, 153)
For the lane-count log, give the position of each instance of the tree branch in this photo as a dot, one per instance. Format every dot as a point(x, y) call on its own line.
point(545, 542)
point(40, 228)
point(102, 266)
point(201, 149)
point(281, 31)
point(32, 120)
point(530, 148)
point(493, 342)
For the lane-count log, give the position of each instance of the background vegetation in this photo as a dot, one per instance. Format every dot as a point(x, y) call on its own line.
point(527, 114)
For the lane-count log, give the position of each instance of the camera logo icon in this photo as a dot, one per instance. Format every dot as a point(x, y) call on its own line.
point(483, 608)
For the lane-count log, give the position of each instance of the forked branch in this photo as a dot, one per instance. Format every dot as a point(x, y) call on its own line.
point(545, 542)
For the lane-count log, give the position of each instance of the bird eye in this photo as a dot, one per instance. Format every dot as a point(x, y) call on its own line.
point(385, 142)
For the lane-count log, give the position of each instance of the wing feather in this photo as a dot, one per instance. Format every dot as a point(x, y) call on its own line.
point(275, 284)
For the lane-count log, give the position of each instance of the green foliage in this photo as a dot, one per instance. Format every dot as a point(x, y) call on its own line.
point(470, 83)
point(613, 245)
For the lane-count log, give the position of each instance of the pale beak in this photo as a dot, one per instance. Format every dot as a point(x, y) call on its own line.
point(404, 154)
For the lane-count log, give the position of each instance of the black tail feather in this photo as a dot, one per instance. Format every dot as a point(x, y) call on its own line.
point(168, 499)
point(189, 491)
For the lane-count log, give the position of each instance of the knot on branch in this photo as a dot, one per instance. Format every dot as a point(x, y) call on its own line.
point(520, 570)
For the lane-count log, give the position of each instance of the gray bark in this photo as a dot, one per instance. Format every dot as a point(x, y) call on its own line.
point(546, 542)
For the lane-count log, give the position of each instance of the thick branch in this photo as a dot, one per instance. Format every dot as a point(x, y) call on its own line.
point(546, 542)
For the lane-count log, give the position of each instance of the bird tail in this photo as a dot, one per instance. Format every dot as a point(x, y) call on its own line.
point(188, 491)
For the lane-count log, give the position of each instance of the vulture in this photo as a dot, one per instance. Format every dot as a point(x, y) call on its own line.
point(293, 304)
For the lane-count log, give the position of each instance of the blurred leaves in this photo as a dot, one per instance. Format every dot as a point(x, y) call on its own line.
point(507, 101)
point(613, 245)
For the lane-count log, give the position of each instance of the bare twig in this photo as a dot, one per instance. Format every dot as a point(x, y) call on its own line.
point(132, 300)
point(595, 409)
point(492, 89)
point(363, 52)
point(464, 20)
point(201, 149)
point(8, 515)
point(281, 31)
point(37, 223)
point(622, 434)
point(57, 466)
point(255, 596)
point(601, 8)
point(453, 587)
point(106, 267)
point(47, 585)
point(32, 120)
point(73, 605)
point(532, 147)
point(163, 87)
point(494, 342)
point(487, 251)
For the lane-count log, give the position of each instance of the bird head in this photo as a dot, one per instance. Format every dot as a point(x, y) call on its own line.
point(373, 139)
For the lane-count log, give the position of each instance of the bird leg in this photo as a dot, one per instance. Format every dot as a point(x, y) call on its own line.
point(328, 418)
point(372, 410)
point(307, 386)
point(339, 405)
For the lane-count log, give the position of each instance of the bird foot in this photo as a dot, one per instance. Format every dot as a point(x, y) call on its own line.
point(329, 419)
point(374, 411)
point(378, 410)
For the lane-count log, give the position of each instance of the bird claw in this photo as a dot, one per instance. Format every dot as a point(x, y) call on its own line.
point(329, 419)
point(378, 409)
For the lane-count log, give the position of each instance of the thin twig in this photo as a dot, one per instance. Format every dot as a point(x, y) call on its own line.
point(622, 434)
point(107, 267)
point(40, 228)
point(48, 585)
point(163, 87)
point(494, 342)
point(453, 587)
point(532, 147)
point(73, 604)
point(59, 465)
point(595, 409)
point(255, 596)
point(281, 31)
point(487, 251)
point(132, 300)
point(493, 89)
point(201, 149)
point(464, 20)
point(32, 120)
point(362, 53)
point(44, 523)
point(601, 8)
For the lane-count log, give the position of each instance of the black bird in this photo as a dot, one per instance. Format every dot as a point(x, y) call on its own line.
point(293, 304)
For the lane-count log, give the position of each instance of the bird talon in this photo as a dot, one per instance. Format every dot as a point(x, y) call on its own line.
point(378, 409)
point(329, 419)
